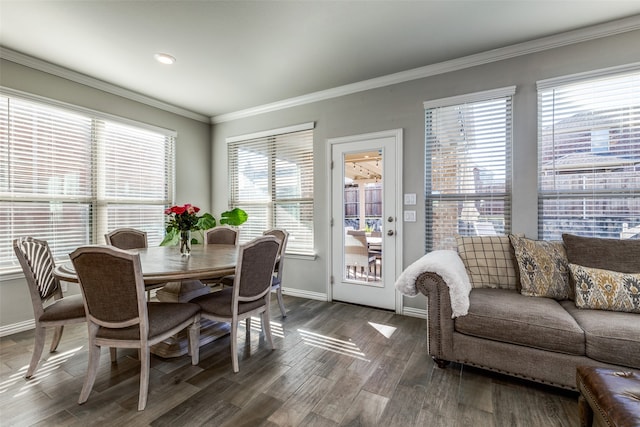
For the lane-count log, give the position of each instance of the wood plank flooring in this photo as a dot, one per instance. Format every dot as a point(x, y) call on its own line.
point(334, 364)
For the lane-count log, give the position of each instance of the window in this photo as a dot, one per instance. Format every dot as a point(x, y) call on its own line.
point(271, 178)
point(68, 176)
point(467, 166)
point(589, 155)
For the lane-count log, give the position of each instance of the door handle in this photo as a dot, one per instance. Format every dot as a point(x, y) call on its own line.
point(390, 233)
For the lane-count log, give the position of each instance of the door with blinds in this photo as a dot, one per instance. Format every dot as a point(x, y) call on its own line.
point(365, 231)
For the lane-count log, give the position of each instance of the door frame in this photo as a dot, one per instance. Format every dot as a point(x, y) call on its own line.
point(397, 135)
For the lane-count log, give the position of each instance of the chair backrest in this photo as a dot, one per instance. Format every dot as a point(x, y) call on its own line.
point(127, 238)
point(112, 286)
point(283, 236)
point(254, 269)
point(37, 264)
point(356, 251)
point(221, 235)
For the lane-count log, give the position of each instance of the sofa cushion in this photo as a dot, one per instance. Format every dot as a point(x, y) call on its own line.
point(606, 254)
point(489, 260)
point(611, 337)
point(508, 316)
point(543, 266)
point(606, 290)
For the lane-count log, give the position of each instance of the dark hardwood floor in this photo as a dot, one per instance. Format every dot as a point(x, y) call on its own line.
point(334, 364)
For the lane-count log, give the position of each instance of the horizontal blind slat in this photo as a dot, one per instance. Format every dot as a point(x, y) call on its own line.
point(271, 178)
point(589, 157)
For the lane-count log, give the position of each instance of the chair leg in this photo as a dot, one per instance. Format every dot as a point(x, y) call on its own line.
point(145, 357)
point(57, 334)
point(280, 301)
point(247, 325)
point(194, 342)
point(38, 346)
point(234, 346)
point(92, 372)
point(266, 328)
point(114, 354)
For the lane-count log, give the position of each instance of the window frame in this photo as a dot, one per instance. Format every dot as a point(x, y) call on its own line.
point(431, 196)
point(270, 140)
point(561, 146)
point(98, 204)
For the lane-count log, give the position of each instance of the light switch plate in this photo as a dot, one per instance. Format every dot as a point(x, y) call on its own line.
point(409, 216)
point(410, 199)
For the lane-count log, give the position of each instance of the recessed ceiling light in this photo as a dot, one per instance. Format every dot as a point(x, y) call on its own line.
point(164, 58)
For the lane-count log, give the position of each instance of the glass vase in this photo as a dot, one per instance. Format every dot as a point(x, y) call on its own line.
point(185, 242)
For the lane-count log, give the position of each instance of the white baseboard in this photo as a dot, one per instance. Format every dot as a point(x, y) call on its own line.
point(30, 324)
point(415, 312)
point(17, 327)
point(305, 294)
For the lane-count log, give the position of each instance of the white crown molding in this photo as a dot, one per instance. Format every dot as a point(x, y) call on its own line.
point(563, 39)
point(74, 76)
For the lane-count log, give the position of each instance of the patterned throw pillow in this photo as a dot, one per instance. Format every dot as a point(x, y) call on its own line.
point(489, 261)
point(544, 269)
point(606, 290)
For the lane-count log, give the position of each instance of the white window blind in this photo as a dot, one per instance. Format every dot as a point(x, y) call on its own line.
point(467, 166)
point(68, 176)
point(271, 178)
point(589, 155)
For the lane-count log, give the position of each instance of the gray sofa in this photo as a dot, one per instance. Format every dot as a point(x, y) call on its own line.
point(533, 337)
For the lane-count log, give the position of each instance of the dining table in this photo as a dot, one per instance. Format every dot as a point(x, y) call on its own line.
point(162, 264)
point(177, 278)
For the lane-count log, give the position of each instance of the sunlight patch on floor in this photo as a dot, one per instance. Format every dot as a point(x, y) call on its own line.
point(385, 330)
point(335, 345)
point(45, 368)
point(276, 328)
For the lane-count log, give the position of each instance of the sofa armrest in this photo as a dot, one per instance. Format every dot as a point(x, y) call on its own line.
point(440, 325)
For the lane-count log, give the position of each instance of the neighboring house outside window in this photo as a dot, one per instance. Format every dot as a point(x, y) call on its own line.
point(468, 142)
point(70, 175)
point(271, 178)
point(589, 155)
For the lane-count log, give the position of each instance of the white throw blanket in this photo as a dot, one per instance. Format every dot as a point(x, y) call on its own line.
point(449, 266)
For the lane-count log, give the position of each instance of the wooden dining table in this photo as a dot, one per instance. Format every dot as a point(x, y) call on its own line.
point(162, 264)
point(179, 277)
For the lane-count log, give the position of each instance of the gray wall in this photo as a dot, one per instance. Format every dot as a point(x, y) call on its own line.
point(204, 182)
point(193, 148)
point(400, 106)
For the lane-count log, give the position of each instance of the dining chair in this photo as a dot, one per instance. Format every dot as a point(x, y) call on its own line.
point(37, 264)
point(221, 235)
point(250, 293)
point(127, 238)
point(276, 282)
point(119, 316)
